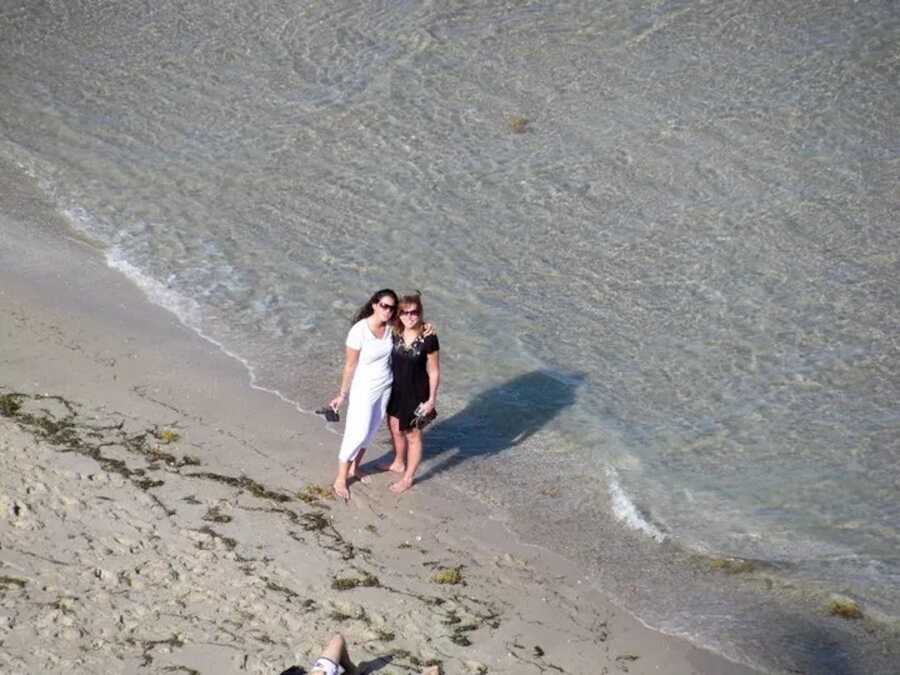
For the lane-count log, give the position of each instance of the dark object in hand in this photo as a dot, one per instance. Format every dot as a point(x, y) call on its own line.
point(420, 420)
point(331, 415)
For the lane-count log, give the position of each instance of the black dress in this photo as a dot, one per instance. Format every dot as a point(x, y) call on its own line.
point(411, 384)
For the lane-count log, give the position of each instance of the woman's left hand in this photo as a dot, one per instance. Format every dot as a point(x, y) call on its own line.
point(426, 407)
point(428, 329)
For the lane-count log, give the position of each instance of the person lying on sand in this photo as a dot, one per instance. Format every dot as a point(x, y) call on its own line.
point(335, 660)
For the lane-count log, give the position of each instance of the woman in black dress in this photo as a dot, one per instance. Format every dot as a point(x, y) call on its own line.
point(417, 373)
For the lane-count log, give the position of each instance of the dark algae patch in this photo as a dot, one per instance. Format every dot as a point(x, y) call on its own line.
point(534, 657)
point(147, 483)
point(448, 575)
point(9, 583)
point(243, 483)
point(147, 457)
point(149, 645)
point(229, 543)
point(349, 583)
point(10, 404)
point(732, 565)
point(314, 521)
point(518, 124)
point(166, 436)
point(56, 420)
point(845, 608)
point(729, 565)
point(215, 515)
point(314, 494)
point(181, 669)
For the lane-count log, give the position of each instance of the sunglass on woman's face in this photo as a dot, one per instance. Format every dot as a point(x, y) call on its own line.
point(409, 312)
point(386, 307)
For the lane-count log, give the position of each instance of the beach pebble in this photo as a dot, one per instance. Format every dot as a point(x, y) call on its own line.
point(70, 503)
point(104, 575)
point(154, 571)
point(70, 634)
point(19, 514)
point(66, 604)
point(36, 488)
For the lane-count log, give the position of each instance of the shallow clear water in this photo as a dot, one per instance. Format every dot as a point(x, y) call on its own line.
point(669, 308)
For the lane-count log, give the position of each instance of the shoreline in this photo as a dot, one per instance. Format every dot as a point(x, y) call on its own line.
point(174, 536)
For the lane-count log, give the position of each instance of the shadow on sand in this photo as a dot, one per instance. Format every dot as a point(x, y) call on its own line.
point(498, 419)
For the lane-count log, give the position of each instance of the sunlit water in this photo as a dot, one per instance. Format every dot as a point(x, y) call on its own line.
point(668, 301)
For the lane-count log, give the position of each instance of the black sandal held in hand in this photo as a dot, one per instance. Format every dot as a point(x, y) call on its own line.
point(420, 421)
point(331, 415)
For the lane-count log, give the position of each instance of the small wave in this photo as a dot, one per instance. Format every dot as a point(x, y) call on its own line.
point(186, 310)
point(625, 510)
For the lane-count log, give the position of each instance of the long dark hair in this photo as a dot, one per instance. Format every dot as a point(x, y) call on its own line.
point(366, 310)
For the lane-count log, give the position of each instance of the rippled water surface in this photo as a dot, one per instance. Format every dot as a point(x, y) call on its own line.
point(668, 300)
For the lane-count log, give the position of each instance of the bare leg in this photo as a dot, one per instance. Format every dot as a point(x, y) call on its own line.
point(336, 652)
point(355, 470)
point(399, 441)
point(340, 483)
point(414, 458)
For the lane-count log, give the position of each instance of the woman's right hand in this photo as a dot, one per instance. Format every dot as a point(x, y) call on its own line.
point(337, 401)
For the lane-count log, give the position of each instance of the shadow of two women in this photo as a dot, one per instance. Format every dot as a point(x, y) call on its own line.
point(499, 418)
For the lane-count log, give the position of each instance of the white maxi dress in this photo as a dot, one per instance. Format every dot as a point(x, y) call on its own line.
point(370, 388)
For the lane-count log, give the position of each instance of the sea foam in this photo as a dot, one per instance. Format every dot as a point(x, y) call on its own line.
point(625, 510)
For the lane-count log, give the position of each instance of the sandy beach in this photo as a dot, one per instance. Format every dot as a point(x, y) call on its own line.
point(159, 514)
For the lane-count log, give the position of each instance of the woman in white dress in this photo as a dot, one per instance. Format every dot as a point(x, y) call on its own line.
point(366, 378)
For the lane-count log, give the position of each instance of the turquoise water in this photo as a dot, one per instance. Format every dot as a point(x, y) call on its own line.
point(668, 307)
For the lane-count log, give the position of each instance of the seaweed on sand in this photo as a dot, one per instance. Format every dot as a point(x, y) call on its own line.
point(7, 583)
point(244, 483)
point(166, 436)
point(215, 515)
point(313, 494)
point(148, 646)
point(229, 542)
point(518, 124)
point(845, 608)
point(349, 583)
point(732, 565)
point(448, 575)
point(314, 521)
point(10, 404)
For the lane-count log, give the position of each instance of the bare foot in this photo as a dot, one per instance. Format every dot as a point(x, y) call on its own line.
point(394, 467)
point(432, 670)
point(340, 490)
point(401, 485)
